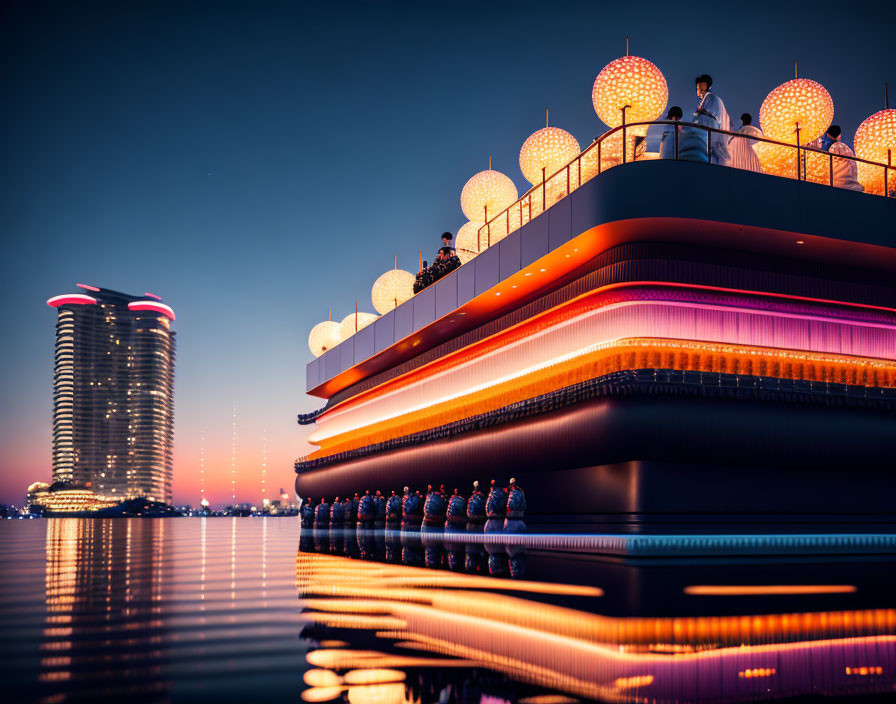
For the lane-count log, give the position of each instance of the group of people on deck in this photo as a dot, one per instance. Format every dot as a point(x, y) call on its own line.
point(445, 262)
point(736, 151)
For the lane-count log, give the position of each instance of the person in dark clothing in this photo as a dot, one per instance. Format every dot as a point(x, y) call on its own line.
point(447, 238)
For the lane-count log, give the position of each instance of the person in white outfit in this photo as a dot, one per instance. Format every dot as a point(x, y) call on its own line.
point(743, 154)
point(846, 171)
point(667, 141)
point(712, 113)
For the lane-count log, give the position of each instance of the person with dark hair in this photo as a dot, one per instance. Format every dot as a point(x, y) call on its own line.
point(710, 112)
point(846, 171)
point(446, 240)
point(667, 141)
point(743, 154)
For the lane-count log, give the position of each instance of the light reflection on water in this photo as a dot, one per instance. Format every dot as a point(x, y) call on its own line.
point(231, 609)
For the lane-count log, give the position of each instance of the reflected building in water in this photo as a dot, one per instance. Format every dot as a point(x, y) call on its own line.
point(103, 636)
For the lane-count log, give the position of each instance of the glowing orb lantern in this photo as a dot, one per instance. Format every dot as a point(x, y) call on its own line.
point(629, 81)
point(354, 322)
point(550, 149)
point(800, 102)
point(391, 289)
point(324, 336)
point(487, 189)
point(467, 243)
point(876, 137)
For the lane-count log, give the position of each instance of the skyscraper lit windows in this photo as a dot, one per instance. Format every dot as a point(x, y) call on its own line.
point(113, 395)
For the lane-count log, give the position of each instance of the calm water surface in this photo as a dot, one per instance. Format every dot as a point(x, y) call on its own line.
point(224, 609)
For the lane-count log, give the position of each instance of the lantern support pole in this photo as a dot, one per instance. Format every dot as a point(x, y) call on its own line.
point(396, 261)
point(546, 114)
point(421, 260)
point(626, 46)
point(795, 74)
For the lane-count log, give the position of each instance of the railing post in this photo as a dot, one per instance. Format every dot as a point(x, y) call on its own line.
point(708, 145)
point(579, 159)
point(567, 179)
point(600, 144)
point(798, 169)
point(530, 207)
point(624, 144)
point(488, 228)
point(544, 191)
point(508, 220)
point(887, 173)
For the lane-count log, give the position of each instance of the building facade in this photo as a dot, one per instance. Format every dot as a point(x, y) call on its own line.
point(113, 394)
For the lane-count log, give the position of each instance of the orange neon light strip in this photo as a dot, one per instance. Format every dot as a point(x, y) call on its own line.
point(767, 590)
point(634, 353)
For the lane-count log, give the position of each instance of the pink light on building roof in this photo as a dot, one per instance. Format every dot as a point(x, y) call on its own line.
point(73, 298)
point(88, 287)
point(153, 306)
point(152, 295)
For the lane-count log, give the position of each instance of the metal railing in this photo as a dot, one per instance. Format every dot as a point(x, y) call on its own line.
point(615, 147)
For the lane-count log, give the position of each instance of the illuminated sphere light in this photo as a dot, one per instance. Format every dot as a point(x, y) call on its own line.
point(466, 244)
point(550, 149)
point(324, 336)
point(634, 81)
point(800, 101)
point(347, 326)
point(487, 188)
point(874, 137)
point(392, 289)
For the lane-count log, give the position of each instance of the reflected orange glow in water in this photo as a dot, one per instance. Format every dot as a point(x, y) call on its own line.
point(724, 658)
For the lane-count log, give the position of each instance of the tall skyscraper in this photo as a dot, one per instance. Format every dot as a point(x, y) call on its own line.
point(113, 393)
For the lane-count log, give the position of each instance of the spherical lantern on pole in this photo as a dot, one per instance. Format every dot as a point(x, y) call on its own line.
point(486, 194)
point(324, 336)
point(354, 322)
point(545, 152)
point(468, 244)
point(629, 89)
point(392, 289)
point(796, 112)
point(875, 140)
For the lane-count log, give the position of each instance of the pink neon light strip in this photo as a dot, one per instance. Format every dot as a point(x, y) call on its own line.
point(153, 306)
point(152, 295)
point(71, 298)
point(88, 287)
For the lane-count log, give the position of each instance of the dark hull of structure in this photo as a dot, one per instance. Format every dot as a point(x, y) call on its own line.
point(655, 455)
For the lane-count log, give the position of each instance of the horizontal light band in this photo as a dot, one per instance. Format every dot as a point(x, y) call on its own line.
point(637, 353)
point(767, 590)
point(71, 299)
point(580, 328)
point(152, 306)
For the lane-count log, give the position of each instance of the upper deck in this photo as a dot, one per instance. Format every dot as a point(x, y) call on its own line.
point(644, 201)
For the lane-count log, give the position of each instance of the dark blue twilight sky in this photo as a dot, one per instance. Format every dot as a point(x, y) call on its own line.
point(257, 163)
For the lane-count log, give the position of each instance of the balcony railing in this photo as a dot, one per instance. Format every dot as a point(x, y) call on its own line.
point(788, 160)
